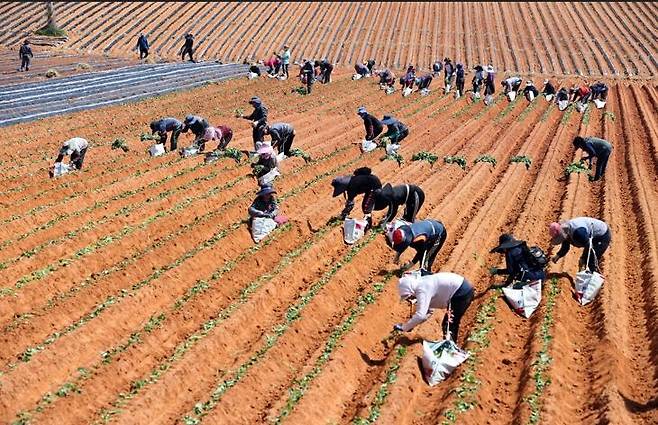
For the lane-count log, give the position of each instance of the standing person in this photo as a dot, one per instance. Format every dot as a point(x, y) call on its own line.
point(197, 125)
point(188, 47)
point(283, 134)
point(307, 75)
point(258, 119)
point(396, 131)
point(164, 125)
point(361, 182)
point(449, 73)
point(142, 46)
point(25, 55)
point(426, 237)
point(461, 79)
point(393, 197)
point(518, 265)
point(285, 60)
point(373, 126)
point(222, 134)
point(490, 82)
point(326, 68)
point(596, 148)
point(478, 79)
point(579, 232)
point(440, 290)
point(77, 148)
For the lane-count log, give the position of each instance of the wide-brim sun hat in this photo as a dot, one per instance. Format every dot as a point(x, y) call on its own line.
point(340, 184)
point(506, 241)
point(387, 120)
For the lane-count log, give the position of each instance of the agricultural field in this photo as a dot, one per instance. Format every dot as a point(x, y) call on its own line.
point(133, 293)
point(608, 39)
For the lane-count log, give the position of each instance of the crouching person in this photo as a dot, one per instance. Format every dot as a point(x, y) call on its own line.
point(77, 148)
point(440, 290)
point(519, 266)
point(264, 213)
point(222, 134)
point(426, 237)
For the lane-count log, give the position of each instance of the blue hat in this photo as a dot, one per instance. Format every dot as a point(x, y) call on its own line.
point(255, 100)
point(361, 110)
point(388, 120)
point(265, 190)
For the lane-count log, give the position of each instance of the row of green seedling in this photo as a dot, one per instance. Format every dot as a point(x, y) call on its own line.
point(157, 320)
point(27, 355)
point(293, 313)
point(543, 357)
point(300, 386)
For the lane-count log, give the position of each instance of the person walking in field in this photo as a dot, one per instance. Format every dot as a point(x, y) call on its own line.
point(426, 237)
point(393, 197)
point(188, 47)
point(282, 134)
point(77, 148)
point(285, 61)
point(440, 290)
point(164, 125)
point(396, 131)
point(595, 148)
point(460, 80)
point(258, 119)
point(372, 125)
point(143, 46)
point(520, 266)
point(579, 232)
point(25, 55)
point(361, 182)
point(222, 134)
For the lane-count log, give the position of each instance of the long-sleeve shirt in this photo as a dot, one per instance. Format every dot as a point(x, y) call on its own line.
point(166, 124)
point(460, 75)
point(549, 88)
point(372, 125)
point(262, 208)
point(517, 267)
point(395, 128)
point(197, 124)
point(562, 94)
point(593, 228)
point(361, 184)
point(596, 147)
point(448, 69)
point(285, 57)
point(280, 131)
point(259, 115)
point(361, 69)
point(25, 50)
point(424, 234)
point(76, 144)
point(142, 43)
point(189, 43)
point(401, 194)
point(431, 291)
point(531, 89)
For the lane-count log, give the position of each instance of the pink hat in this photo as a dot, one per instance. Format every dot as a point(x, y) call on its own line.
point(555, 231)
point(266, 151)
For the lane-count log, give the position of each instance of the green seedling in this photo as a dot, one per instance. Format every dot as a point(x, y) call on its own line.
point(425, 156)
point(300, 153)
point(576, 167)
point(455, 159)
point(300, 90)
point(147, 136)
point(485, 158)
point(393, 157)
point(238, 112)
point(522, 159)
point(609, 115)
point(120, 144)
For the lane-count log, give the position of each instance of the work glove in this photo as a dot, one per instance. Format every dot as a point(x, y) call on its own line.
point(398, 327)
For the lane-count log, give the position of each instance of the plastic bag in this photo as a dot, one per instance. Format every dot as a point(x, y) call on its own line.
point(524, 301)
point(588, 284)
point(549, 97)
point(268, 178)
point(531, 96)
point(261, 227)
point(580, 107)
point(424, 92)
point(189, 151)
point(562, 105)
point(488, 99)
point(357, 76)
point(407, 91)
point(440, 359)
point(390, 90)
point(511, 96)
point(368, 146)
point(392, 148)
point(61, 168)
point(353, 230)
point(157, 149)
point(252, 75)
point(599, 103)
